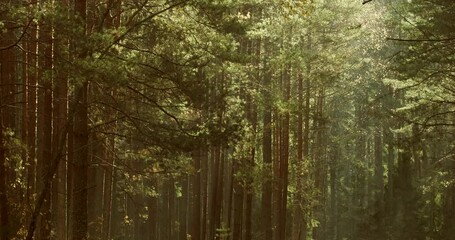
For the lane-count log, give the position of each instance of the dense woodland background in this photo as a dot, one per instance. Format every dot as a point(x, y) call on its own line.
point(227, 119)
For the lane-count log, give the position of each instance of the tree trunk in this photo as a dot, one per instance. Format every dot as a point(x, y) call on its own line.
point(44, 124)
point(7, 75)
point(80, 141)
point(4, 223)
point(31, 113)
point(79, 181)
point(320, 164)
point(60, 118)
point(107, 187)
point(379, 182)
point(196, 219)
point(284, 156)
point(238, 195)
point(266, 202)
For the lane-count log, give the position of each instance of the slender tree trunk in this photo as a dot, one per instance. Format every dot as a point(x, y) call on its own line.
point(184, 202)
point(284, 157)
point(4, 222)
point(79, 181)
point(205, 194)
point(276, 158)
point(299, 230)
point(196, 219)
point(95, 187)
point(297, 209)
point(153, 215)
point(266, 202)
point(31, 113)
point(107, 187)
point(80, 141)
point(238, 195)
point(7, 74)
point(320, 176)
point(60, 118)
point(44, 123)
point(379, 182)
point(59, 183)
point(253, 118)
point(217, 192)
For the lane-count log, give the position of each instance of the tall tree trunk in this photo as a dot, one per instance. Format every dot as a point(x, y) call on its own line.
point(217, 192)
point(79, 174)
point(7, 76)
point(80, 142)
point(297, 208)
point(4, 223)
point(333, 216)
point(44, 123)
point(238, 195)
point(284, 156)
point(184, 202)
point(266, 201)
point(4, 219)
point(60, 118)
point(379, 182)
point(107, 186)
point(197, 206)
point(153, 214)
point(299, 229)
point(95, 187)
point(252, 112)
point(31, 113)
point(320, 176)
point(276, 159)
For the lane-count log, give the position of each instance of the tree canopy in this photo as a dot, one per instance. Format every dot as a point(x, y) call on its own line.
point(227, 119)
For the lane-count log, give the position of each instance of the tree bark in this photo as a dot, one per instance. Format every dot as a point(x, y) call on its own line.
point(196, 219)
point(44, 123)
point(79, 181)
point(107, 187)
point(284, 156)
point(80, 141)
point(266, 201)
point(4, 222)
point(60, 117)
point(7, 74)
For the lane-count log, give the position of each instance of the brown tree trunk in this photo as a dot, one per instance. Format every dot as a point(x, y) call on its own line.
point(31, 113)
point(153, 214)
point(298, 201)
point(107, 187)
point(183, 205)
point(196, 219)
point(80, 144)
point(266, 201)
point(379, 182)
point(95, 187)
point(44, 124)
point(217, 192)
point(79, 174)
point(319, 176)
point(276, 160)
point(60, 118)
point(284, 157)
point(7, 74)
point(4, 223)
point(238, 195)
point(252, 113)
